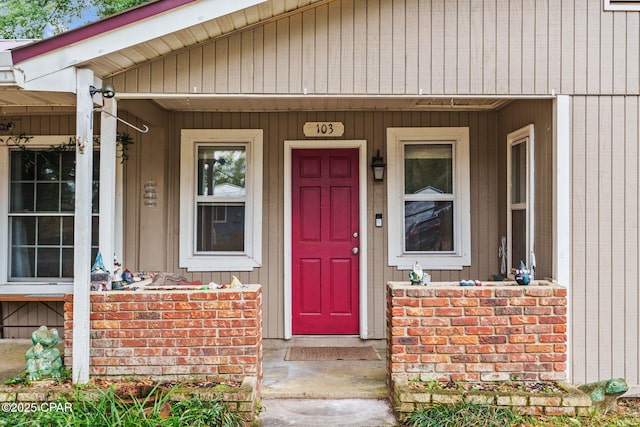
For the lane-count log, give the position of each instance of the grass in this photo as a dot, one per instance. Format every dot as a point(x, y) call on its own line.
point(467, 414)
point(114, 410)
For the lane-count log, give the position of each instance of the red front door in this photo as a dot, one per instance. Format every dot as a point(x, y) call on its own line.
point(325, 277)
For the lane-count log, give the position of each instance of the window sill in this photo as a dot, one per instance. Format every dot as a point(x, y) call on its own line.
point(431, 262)
point(221, 263)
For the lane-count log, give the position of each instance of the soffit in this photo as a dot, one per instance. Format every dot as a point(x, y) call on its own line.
point(121, 60)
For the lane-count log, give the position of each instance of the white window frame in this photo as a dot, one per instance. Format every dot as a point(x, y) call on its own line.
point(621, 5)
point(36, 143)
point(524, 135)
point(397, 138)
point(251, 258)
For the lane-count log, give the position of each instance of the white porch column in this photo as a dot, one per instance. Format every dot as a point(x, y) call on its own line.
point(562, 208)
point(562, 191)
point(82, 226)
point(108, 125)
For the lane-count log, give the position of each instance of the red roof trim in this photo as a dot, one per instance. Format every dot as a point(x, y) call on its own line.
point(110, 23)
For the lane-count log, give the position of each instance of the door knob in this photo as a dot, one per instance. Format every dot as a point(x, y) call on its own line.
point(354, 251)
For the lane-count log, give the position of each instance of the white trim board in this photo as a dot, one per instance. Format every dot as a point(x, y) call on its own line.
point(289, 146)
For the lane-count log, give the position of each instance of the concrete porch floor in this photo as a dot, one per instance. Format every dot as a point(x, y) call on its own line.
point(335, 393)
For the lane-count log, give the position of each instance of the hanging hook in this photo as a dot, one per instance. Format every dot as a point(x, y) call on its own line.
point(144, 130)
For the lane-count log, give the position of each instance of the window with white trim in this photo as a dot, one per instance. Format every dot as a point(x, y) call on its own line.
point(429, 197)
point(621, 5)
point(39, 216)
point(221, 199)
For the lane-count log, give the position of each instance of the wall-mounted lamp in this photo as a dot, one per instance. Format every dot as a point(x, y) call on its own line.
point(6, 126)
point(107, 91)
point(377, 166)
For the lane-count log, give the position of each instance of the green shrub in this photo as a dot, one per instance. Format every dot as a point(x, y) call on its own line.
point(463, 414)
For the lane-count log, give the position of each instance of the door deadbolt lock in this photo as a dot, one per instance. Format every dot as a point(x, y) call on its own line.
point(355, 251)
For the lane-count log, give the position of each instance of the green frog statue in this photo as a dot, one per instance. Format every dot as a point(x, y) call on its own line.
point(604, 394)
point(43, 358)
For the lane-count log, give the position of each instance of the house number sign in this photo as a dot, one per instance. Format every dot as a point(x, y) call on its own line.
point(316, 129)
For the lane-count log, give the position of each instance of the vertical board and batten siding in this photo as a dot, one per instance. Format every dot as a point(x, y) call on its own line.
point(605, 253)
point(406, 47)
point(513, 117)
point(371, 126)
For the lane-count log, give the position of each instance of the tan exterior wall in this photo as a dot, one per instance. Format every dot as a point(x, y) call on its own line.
point(605, 322)
point(404, 47)
point(371, 126)
point(513, 117)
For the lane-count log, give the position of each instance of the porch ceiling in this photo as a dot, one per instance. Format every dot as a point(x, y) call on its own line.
point(15, 101)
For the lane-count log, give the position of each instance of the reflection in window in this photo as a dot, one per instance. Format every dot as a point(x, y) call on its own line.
point(41, 208)
point(429, 198)
point(221, 199)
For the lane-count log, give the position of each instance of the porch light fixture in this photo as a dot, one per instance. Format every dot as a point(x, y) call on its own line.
point(377, 166)
point(107, 91)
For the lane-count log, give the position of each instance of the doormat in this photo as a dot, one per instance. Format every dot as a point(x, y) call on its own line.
point(303, 354)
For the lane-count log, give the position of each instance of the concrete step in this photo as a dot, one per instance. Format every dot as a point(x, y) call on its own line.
point(318, 412)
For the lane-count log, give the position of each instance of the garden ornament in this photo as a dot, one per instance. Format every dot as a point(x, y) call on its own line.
point(604, 394)
point(415, 275)
point(43, 358)
point(522, 275)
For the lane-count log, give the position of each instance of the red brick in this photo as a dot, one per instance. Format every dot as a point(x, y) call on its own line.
point(435, 322)
point(509, 348)
point(464, 321)
point(133, 342)
point(559, 329)
point(552, 357)
point(538, 329)
point(560, 310)
point(538, 291)
point(538, 348)
point(161, 306)
point(449, 293)
point(478, 311)
point(494, 321)
point(478, 293)
point(198, 296)
point(479, 330)
point(448, 312)
point(463, 339)
point(508, 311)
point(492, 339)
point(174, 296)
point(423, 312)
point(493, 302)
point(465, 358)
point(450, 367)
point(524, 357)
point(481, 349)
point(480, 367)
point(405, 340)
point(406, 358)
point(494, 358)
point(405, 321)
point(450, 349)
point(523, 301)
point(420, 349)
point(552, 301)
point(522, 339)
point(538, 311)
point(509, 367)
point(465, 302)
point(405, 302)
point(420, 331)
point(510, 293)
point(118, 296)
point(450, 331)
point(538, 367)
point(188, 305)
point(433, 340)
point(523, 320)
point(105, 324)
point(396, 311)
point(175, 314)
point(560, 292)
point(553, 338)
point(562, 320)
point(435, 302)
point(164, 324)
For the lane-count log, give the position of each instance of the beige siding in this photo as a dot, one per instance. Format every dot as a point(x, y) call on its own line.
point(371, 126)
point(453, 47)
point(605, 297)
point(513, 117)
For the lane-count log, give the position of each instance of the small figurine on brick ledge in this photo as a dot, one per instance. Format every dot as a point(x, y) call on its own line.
point(415, 275)
point(522, 275)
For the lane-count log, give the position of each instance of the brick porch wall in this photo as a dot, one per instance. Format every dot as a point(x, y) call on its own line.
point(486, 333)
point(173, 334)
